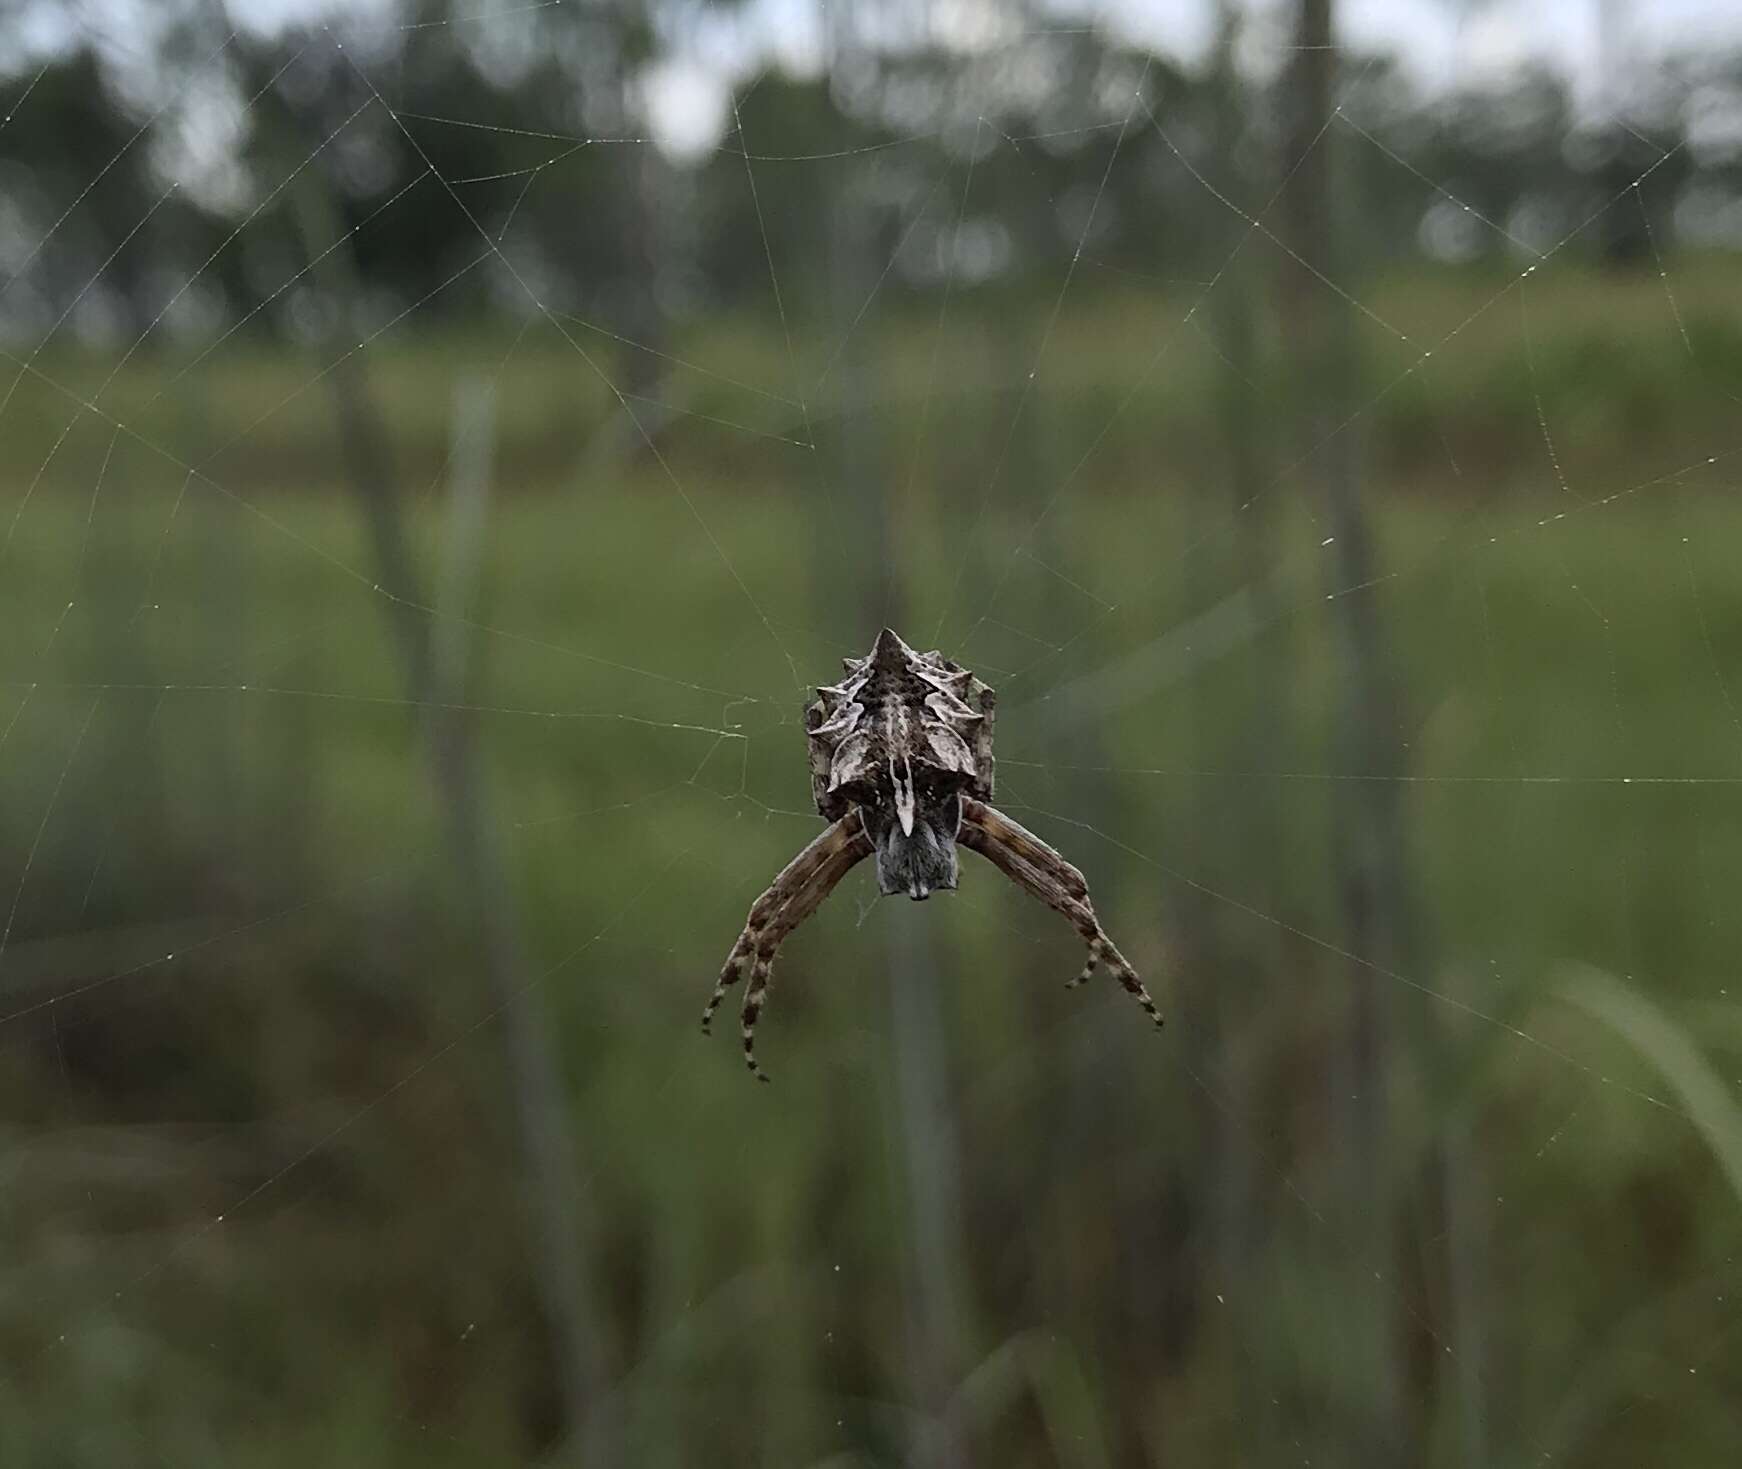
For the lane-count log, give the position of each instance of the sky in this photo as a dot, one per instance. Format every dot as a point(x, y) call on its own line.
point(1443, 42)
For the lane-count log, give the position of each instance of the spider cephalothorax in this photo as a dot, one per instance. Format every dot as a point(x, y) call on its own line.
point(901, 765)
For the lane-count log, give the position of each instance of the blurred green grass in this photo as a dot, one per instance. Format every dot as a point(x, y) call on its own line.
point(1607, 360)
point(249, 796)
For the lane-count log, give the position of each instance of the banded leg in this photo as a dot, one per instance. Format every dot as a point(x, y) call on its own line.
point(732, 971)
point(792, 897)
point(798, 907)
point(1087, 970)
point(755, 997)
point(1042, 872)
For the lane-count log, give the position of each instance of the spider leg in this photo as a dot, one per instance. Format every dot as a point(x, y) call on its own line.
point(1088, 969)
point(755, 997)
point(766, 909)
point(730, 973)
point(804, 902)
point(1042, 872)
point(791, 898)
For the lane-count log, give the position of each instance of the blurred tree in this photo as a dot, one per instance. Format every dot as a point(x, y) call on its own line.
point(1368, 851)
point(526, 119)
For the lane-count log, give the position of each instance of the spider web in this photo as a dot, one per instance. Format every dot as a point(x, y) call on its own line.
point(237, 822)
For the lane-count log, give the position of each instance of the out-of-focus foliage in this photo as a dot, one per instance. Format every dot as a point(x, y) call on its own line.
point(556, 95)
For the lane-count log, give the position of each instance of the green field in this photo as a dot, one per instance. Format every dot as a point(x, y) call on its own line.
point(1118, 1248)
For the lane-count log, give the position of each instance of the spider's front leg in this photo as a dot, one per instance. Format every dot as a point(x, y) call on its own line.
point(791, 898)
point(1042, 872)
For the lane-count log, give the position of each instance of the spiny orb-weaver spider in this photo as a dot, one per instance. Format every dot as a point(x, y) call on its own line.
point(901, 766)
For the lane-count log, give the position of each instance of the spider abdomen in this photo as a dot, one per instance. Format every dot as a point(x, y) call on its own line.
point(898, 710)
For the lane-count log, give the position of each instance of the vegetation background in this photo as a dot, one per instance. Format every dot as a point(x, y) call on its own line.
point(424, 501)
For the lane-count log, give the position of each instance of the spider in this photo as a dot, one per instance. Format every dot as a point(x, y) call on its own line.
point(901, 766)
